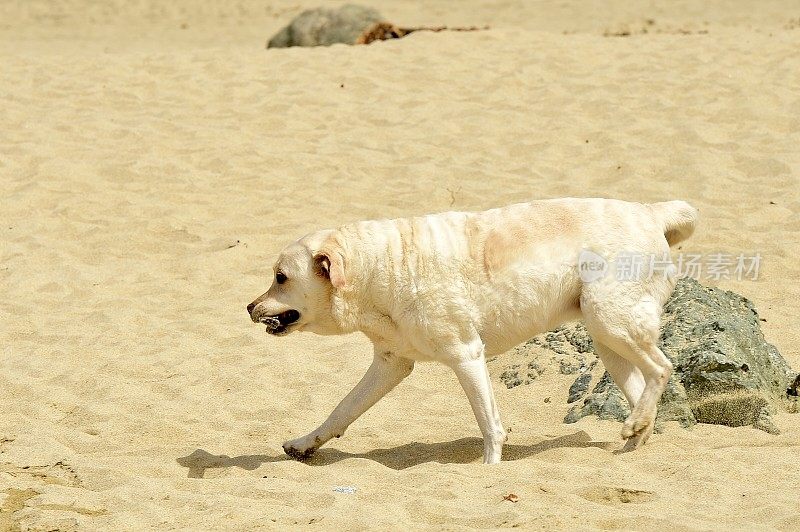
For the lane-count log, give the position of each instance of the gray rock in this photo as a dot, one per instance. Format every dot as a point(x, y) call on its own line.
point(564, 347)
point(510, 376)
point(515, 375)
point(606, 402)
point(725, 372)
point(323, 27)
point(580, 387)
point(350, 24)
point(565, 340)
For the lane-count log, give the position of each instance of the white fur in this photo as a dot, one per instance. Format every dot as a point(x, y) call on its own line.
point(456, 287)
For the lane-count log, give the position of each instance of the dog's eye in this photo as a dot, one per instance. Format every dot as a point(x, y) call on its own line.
point(280, 278)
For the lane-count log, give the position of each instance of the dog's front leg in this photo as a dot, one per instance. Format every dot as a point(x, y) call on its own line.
point(385, 372)
point(473, 375)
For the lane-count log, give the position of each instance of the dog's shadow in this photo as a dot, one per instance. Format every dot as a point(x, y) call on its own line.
point(461, 451)
point(200, 460)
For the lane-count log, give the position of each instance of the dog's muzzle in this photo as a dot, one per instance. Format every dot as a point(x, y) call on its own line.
point(279, 323)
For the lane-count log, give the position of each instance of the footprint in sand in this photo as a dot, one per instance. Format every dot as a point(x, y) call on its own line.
point(612, 495)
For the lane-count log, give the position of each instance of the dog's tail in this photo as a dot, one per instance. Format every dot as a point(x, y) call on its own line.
point(678, 219)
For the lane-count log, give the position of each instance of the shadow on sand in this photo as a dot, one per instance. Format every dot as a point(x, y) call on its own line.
point(461, 451)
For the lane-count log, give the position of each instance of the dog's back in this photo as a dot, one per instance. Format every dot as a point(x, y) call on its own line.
point(514, 270)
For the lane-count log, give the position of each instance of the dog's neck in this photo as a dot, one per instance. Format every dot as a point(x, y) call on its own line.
point(361, 305)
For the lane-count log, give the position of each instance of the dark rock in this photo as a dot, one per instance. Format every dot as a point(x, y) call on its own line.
point(570, 348)
point(606, 402)
point(675, 405)
point(511, 377)
point(794, 389)
point(568, 367)
point(350, 24)
point(579, 388)
point(565, 340)
point(604, 384)
point(323, 27)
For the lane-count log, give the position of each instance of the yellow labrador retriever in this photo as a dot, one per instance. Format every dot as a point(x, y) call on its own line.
point(459, 286)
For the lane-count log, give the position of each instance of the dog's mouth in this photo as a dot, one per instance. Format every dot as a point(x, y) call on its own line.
point(280, 323)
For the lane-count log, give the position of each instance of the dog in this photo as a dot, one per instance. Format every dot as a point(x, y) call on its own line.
point(457, 287)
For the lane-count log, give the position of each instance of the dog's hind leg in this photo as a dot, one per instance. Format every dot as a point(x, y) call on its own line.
point(630, 381)
point(627, 377)
point(385, 372)
point(624, 319)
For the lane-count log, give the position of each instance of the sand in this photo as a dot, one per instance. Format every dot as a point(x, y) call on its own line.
point(154, 157)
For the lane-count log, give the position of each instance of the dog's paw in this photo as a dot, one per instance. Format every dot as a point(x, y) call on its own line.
point(637, 424)
point(637, 440)
point(627, 429)
point(297, 449)
point(637, 431)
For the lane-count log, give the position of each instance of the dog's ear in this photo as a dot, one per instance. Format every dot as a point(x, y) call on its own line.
point(329, 263)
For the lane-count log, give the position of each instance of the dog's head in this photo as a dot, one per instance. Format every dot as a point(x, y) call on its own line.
point(303, 279)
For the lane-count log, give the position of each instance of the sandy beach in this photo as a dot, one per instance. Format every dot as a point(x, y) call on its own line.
point(154, 158)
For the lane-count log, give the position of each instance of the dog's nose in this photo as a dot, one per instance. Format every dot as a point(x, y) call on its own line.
point(250, 308)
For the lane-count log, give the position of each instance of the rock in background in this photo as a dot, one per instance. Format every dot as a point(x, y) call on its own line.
point(350, 24)
point(725, 372)
point(323, 27)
